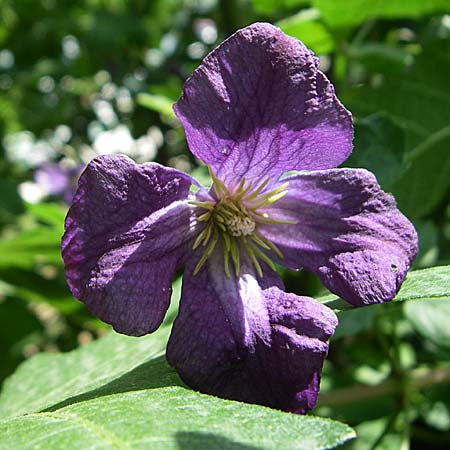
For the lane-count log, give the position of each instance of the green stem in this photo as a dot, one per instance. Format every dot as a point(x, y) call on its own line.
point(418, 378)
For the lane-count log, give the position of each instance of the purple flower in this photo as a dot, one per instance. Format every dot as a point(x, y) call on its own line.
point(256, 108)
point(58, 180)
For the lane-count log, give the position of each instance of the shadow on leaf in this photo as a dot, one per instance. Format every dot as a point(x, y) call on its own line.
point(150, 375)
point(208, 441)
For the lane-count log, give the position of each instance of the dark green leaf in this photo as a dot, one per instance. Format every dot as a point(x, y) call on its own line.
point(431, 319)
point(418, 101)
point(379, 147)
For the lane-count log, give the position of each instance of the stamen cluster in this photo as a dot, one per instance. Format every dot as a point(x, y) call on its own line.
point(234, 218)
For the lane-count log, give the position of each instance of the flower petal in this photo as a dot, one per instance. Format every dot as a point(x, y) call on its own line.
point(247, 340)
point(348, 232)
point(257, 106)
point(127, 231)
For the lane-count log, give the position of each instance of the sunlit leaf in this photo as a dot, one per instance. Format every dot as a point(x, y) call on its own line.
point(422, 284)
point(307, 27)
point(156, 103)
point(170, 418)
point(346, 13)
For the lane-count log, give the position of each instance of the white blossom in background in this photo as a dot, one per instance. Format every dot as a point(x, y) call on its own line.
point(70, 47)
point(6, 59)
point(24, 149)
point(31, 192)
point(206, 30)
point(105, 112)
point(120, 140)
point(154, 57)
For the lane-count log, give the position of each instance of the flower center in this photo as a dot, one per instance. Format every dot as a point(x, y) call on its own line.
point(240, 226)
point(234, 217)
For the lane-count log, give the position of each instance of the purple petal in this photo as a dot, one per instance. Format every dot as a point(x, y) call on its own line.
point(258, 106)
point(247, 340)
point(126, 233)
point(348, 232)
point(53, 178)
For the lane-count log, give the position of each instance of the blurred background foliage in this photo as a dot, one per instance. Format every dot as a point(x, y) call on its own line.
point(88, 77)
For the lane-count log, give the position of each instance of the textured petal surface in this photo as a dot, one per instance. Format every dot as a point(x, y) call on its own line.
point(245, 339)
point(258, 106)
point(127, 231)
point(348, 231)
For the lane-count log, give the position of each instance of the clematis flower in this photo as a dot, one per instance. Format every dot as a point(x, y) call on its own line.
point(58, 179)
point(256, 108)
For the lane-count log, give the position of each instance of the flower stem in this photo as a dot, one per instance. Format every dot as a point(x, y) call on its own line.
point(419, 378)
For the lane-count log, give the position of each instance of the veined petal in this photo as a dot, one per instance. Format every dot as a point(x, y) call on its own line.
point(258, 106)
point(348, 232)
point(243, 338)
point(129, 228)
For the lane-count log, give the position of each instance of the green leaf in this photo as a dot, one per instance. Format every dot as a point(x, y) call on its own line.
point(350, 13)
point(426, 284)
point(119, 392)
point(48, 379)
point(271, 7)
point(307, 27)
point(48, 213)
point(37, 245)
point(379, 147)
point(354, 321)
point(428, 243)
point(431, 320)
point(419, 284)
point(157, 103)
point(10, 202)
point(375, 434)
point(169, 418)
point(56, 378)
point(418, 101)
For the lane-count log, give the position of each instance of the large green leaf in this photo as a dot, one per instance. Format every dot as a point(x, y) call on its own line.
point(169, 418)
point(119, 392)
point(428, 283)
point(349, 13)
point(59, 377)
point(48, 379)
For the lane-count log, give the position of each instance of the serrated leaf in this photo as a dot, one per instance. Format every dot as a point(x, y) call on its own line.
point(350, 13)
point(169, 418)
point(428, 283)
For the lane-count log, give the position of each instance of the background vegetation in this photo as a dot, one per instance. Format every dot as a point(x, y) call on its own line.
point(87, 77)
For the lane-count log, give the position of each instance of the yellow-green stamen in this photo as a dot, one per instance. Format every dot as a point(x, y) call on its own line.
point(235, 217)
